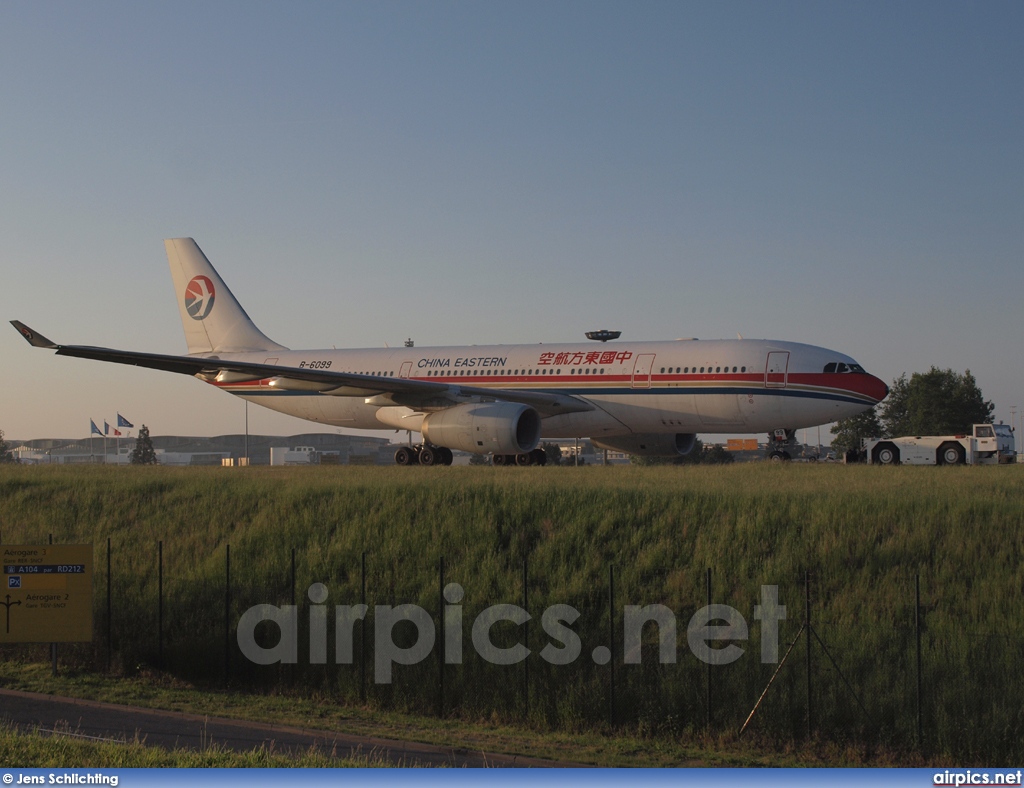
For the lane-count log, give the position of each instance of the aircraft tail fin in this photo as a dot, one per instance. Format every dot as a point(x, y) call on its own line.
point(213, 319)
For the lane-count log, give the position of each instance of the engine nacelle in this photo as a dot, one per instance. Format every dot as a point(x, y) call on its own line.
point(652, 445)
point(490, 427)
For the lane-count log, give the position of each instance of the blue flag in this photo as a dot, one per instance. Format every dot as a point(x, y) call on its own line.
point(106, 427)
point(94, 430)
point(123, 422)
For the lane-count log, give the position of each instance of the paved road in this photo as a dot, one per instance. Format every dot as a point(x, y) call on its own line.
point(171, 729)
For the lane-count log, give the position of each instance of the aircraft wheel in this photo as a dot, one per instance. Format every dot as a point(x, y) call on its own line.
point(498, 459)
point(540, 457)
point(445, 456)
point(428, 456)
point(522, 460)
point(405, 456)
point(777, 456)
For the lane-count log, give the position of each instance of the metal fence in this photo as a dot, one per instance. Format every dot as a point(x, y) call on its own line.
point(914, 686)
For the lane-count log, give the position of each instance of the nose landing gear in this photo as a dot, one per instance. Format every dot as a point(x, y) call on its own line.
point(781, 445)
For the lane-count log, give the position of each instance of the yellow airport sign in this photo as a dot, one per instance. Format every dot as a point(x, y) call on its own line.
point(741, 444)
point(46, 594)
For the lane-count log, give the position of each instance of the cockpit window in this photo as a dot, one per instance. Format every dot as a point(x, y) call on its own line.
point(839, 367)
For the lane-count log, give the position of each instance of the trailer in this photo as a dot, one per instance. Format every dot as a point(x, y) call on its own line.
point(988, 444)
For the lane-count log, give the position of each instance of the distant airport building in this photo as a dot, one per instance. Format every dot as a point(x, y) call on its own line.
point(183, 450)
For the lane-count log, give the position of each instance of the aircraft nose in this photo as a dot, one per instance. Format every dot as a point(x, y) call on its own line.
point(876, 388)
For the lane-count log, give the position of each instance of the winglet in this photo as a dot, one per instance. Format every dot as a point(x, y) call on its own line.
point(35, 339)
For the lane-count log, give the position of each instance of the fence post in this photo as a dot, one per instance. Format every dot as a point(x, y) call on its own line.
point(526, 644)
point(110, 612)
point(441, 642)
point(611, 645)
point(807, 620)
point(295, 610)
point(53, 646)
point(707, 667)
point(160, 605)
point(227, 614)
point(917, 632)
point(362, 633)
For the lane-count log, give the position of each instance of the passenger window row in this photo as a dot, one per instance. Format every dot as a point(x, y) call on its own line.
point(688, 370)
point(508, 372)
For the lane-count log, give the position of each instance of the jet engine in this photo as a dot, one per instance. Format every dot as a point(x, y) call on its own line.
point(651, 445)
point(490, 427)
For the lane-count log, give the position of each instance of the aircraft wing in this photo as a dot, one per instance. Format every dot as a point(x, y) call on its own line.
point(387, 391)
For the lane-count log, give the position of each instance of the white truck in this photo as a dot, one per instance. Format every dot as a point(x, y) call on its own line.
point(300, 455)
point(988, 444)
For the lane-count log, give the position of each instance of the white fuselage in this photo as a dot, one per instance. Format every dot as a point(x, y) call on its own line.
point(683, 386)
point(647, 398)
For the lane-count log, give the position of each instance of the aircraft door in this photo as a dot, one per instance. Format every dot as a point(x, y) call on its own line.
point(642, 371)
point(406, 369)
point(775, 371)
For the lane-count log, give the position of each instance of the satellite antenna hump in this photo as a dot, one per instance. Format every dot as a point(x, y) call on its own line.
point(603, 335)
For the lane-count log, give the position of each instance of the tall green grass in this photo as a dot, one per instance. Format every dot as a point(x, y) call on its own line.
point(860, 533)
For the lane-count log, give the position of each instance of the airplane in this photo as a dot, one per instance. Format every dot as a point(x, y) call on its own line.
point(641, 398)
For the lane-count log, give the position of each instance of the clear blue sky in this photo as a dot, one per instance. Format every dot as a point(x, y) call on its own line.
point(844, 174)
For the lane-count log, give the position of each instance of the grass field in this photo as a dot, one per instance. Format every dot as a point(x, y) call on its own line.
point(861, 533)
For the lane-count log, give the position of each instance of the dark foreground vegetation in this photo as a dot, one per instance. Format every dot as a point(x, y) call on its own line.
point(863, 536)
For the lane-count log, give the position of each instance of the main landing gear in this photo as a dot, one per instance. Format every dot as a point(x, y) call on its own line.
point(424, 454)
point(535, 457)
